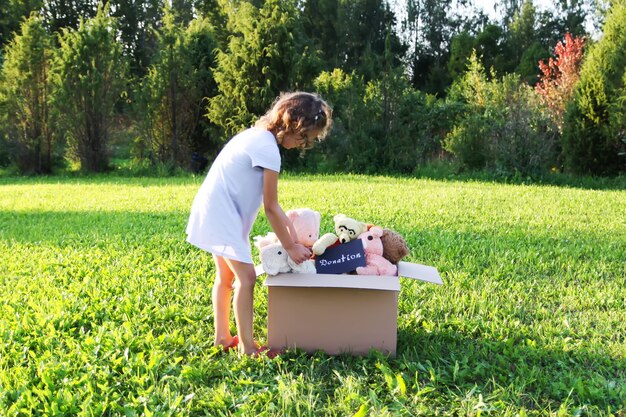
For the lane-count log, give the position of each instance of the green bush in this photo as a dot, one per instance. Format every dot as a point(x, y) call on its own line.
point(379, 126)
point(595, 122)
point(468, 141)
point(411, 121)
point(352, 134)
point(502, 126)
point(527, 141)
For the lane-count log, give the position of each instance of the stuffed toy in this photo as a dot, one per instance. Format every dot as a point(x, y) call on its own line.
point(346, 230)
point(375, 264)
point(306, 223)
point(275, 260)
point(394, 246)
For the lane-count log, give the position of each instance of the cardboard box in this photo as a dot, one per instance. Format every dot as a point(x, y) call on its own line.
point(338, 313)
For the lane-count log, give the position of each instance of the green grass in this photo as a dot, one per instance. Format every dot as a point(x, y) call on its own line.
point(105, 310)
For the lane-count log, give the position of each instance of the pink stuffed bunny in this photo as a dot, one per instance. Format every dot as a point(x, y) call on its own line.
point(306, 222)
point(375, 263)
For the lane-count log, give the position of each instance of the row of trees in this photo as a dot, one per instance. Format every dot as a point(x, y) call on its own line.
point(431, 38)
point(409, 81)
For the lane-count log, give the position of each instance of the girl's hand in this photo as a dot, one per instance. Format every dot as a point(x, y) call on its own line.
point(299, 253)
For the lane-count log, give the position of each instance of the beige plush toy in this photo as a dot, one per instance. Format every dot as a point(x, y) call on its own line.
point(394, 246)
point(346, 229)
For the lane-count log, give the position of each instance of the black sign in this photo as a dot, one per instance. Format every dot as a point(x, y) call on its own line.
point(341, 258)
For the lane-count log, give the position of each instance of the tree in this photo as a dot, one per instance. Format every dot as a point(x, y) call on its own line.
point(428, 27)
point(215, 13)
point(508, 9)
point(60, 14)
point(136, 22)
point(571, 16)
point(320, 21)
point(184, 10)
point(559, 77)
point(365, 33)
point(353, 35)
point(524, 48)
point(175, 90)
point(12, 13)
point(489, 46)
point(595, 121)
point(25, 97)
point(264, 56)
point(461, 48)
point(91, 76)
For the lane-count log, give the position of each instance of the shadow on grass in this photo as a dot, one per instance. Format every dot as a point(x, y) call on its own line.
point(531, 375)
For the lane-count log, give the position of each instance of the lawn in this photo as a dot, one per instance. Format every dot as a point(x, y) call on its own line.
point(105, 310)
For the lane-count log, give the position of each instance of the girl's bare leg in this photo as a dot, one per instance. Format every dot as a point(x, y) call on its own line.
point(243, 304)
point(222, 292)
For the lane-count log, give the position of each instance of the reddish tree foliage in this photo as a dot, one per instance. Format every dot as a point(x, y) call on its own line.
point(560, 75)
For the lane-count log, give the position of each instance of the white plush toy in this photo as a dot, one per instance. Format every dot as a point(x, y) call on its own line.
point(275, 259)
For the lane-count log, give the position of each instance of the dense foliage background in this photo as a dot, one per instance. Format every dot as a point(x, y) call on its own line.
point(162, 85)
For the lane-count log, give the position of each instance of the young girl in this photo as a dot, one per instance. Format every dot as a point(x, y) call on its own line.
point(245, 173)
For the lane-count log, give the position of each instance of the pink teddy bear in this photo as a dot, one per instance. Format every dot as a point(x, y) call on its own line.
point(375, 264)
point(306, 222)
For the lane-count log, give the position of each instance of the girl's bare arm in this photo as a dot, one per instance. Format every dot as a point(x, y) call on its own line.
point(281, 225)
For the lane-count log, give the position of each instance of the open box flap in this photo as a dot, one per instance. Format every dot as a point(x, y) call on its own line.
point(421, 272)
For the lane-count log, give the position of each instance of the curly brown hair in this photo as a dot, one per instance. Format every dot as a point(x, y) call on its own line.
point(298, 112)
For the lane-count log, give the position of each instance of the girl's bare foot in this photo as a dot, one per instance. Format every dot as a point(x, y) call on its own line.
point(270, 353)
point(229, 343)
point(250, 351)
